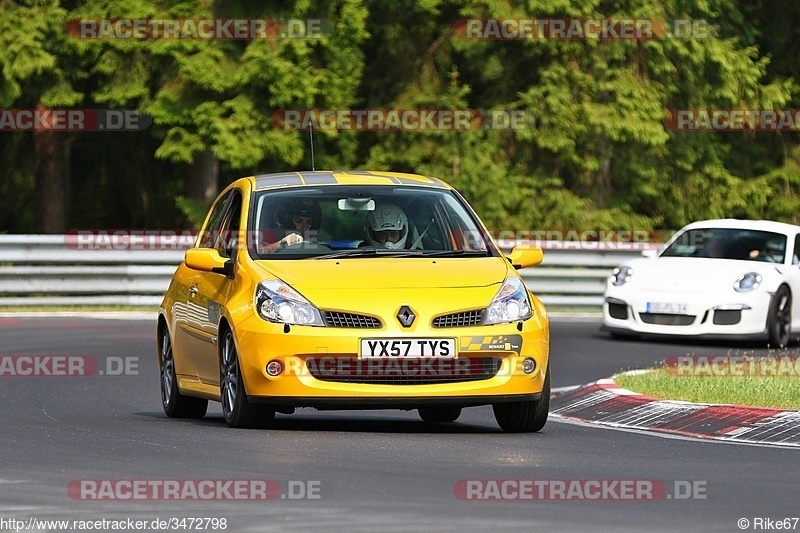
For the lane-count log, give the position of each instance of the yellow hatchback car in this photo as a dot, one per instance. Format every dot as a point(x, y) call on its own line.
point(351, 290)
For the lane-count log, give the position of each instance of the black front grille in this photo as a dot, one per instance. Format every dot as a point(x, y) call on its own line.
point(403, 371)
point(336, 319)
point(457, 320)
point(727, 317)
point(667, 319)
point(618, 311)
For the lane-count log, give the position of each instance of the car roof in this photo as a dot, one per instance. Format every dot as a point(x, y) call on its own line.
point(763, 225)
point(343, 177)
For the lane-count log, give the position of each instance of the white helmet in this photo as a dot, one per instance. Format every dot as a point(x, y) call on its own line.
point(387, 217)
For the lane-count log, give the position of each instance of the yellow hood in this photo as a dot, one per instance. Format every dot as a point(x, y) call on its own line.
point(389, 273)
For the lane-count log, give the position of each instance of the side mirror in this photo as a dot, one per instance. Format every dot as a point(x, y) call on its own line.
point(650, 254)
point(208, 260)
point(524, 256)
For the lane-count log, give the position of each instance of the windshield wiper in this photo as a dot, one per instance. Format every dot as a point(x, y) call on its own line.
point(362, 252)
point(458, 253)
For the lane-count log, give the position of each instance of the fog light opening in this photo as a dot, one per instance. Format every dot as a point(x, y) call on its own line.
point(274, 368)
point(528, 365)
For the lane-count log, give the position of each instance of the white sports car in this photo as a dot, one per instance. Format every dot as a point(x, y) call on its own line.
point(726, 278)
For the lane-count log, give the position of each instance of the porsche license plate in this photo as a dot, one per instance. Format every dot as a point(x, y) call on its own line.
point(408, 348)
point(667, 308)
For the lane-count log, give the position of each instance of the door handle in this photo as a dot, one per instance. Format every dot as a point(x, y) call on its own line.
point(193, 291)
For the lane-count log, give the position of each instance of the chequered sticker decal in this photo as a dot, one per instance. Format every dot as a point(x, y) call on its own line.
point(500, 343)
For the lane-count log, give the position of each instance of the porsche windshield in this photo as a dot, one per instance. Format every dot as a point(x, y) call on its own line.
point(364, 221)
point(729, 243)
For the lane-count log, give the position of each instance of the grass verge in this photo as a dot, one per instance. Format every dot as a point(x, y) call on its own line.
point(782, 392)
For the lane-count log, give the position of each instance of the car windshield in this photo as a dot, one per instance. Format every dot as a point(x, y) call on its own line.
point(364, 221)
point(729, 243)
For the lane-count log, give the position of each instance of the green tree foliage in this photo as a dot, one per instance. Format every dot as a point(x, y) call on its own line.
point(598, 154)
point(220, 95)
point(595, 152)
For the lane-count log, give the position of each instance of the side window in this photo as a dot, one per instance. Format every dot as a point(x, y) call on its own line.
point(796, 252)
point(208, 237)
point(228, 236)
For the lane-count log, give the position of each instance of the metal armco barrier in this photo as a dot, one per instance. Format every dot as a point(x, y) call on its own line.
point(40, 270)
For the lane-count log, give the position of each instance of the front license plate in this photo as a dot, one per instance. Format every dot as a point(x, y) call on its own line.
point(408, 348)
point(667, 308)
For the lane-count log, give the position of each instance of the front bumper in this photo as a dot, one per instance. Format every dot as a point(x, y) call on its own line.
point(303, 350)
point(409, 403)
point(744, 316)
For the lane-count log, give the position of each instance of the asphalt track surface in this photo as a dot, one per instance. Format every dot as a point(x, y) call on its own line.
point(377, 470)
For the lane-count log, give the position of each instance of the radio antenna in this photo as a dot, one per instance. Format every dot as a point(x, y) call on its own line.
point(311, 141)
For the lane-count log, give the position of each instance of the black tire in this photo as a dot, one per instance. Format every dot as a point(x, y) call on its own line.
point(237, 410)
point(779, 321)
point(439, 414)
point(524, 417)
point(175, 404)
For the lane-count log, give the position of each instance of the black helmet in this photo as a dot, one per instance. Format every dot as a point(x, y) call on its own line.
point(305, 207)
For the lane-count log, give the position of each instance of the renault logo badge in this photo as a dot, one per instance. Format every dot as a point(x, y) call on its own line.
point(406, 316)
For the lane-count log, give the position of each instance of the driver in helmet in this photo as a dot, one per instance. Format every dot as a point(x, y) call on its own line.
point(298, 219)
point(386, 227)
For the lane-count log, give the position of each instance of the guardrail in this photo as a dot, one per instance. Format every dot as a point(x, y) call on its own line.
point(38, 270)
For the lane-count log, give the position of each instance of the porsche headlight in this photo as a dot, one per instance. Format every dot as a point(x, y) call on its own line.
point(510, 304)
point(747, 282)
point(621, 276)
point(278, 302)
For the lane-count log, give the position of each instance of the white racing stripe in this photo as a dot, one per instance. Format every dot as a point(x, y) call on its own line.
point(562, 390)
point(566, 420)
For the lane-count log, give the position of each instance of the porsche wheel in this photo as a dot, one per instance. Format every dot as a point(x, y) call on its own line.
point(439, 414)
point(779, 322)
point(237, 410)
point(524, 417)
point(175, 404)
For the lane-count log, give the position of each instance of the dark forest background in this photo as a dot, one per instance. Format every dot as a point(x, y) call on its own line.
point(597, 156)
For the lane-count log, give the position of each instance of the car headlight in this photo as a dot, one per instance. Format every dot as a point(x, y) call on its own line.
point(510, 304)
point(278, 302)
point(621, 276)
point(747, 282)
